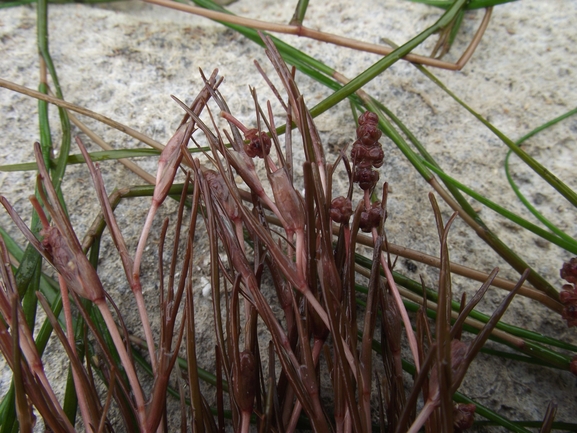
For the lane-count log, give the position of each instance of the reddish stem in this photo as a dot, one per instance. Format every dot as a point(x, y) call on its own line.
point(71, 341)
point(125, 359)
point(234, 121)
point(396, 295)
point(317, 347)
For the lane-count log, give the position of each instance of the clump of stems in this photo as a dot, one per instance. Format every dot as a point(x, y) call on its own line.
point(273, 367)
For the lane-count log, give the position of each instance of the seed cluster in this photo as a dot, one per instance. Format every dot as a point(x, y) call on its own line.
point(367, 152)
point(371, 217)
point(568, 295)
point(341, 210)
point(259, 143)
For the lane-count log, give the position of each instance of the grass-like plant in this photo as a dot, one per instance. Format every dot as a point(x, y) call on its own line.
point(308, 332)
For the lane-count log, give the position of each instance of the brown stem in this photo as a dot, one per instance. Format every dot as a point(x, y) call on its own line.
point(234, 121)
point(301, 31)
point(464, 271)
point(132, 166)
point(418, 299)
point(81, 110)
point(510, 257)
point(476, 39)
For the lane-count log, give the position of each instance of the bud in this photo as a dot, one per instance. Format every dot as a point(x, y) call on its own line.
point(369, 134)
point(258, 143)
point(368, 117)
point(569, 271)
point(74, 267)
point(341, 210)
point(366, 178)
point(287, 200)
point(219, 190)
point(372, 218)
point(463, 416)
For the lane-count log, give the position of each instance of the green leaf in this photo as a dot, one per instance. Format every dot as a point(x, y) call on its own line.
point(104, 155)
point(565, 242)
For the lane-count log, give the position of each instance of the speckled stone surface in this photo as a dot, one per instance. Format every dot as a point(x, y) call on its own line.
point(124, 60)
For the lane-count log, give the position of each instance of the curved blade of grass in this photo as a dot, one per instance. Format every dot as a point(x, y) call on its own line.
point(566, 242)
point(545, 126)
point(514, 187)
point(560, 233)
point(545, 174)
